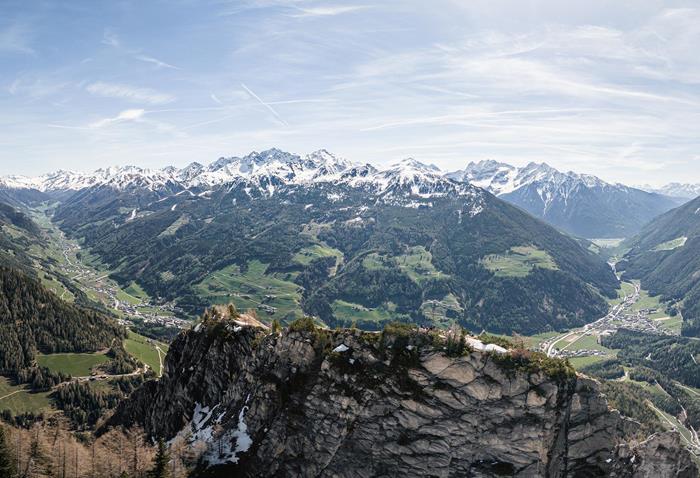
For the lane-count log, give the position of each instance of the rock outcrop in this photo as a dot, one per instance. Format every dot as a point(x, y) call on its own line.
point(313, 403)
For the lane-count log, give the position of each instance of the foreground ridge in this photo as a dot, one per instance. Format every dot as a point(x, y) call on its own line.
point(313, 402)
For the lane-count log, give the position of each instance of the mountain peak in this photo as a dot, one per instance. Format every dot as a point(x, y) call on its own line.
point(487, 164)
point(412, 163)
point(272, 155)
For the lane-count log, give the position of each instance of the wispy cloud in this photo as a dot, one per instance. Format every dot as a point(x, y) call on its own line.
point(266, 105)
point(16, 38)
point(36, 87)
point(110, 38)
point(509, 80)
point(327, 11)
point(155, 61)
point(124, 116)
point(131, 93)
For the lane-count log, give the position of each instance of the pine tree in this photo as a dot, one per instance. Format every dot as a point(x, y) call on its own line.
point(160, 464)
point(7, 463)
point(276, 327)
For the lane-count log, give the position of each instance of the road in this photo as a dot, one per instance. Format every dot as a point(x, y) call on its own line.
point(693, 443)
point(618, 316)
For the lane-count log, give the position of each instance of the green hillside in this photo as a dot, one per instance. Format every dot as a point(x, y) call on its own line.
point(358, 259)
point(665, 256)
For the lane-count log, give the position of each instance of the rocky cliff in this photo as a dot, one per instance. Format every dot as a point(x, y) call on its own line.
point(315, 403)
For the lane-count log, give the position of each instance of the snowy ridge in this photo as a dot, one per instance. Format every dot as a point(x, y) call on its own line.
point(407, 183)
point(676, 190)
point(267, 169)
point(501, 178)
point(410, 183)
point(118, 177)
point(581, 204)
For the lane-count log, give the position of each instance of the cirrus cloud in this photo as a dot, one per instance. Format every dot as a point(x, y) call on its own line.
point(130, 93)
point(126, 115)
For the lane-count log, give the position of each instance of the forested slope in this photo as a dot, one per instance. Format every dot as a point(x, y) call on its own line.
point(33, 319)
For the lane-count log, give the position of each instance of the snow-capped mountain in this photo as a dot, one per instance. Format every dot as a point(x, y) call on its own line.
point(581, 204)
point(501, 178)
point(264, 171)
point(118, 177)
point(413, 179)
point(676, 190)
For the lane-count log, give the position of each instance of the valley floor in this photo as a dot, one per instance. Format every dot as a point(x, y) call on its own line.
point(633, 310)
point(66, 257)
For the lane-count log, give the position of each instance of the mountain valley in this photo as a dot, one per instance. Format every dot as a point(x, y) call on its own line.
point(344, 239)
point(427, 248)
point(424, 263)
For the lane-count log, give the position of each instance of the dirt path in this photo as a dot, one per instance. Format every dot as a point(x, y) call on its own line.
point(13, 393)
point(692, 442)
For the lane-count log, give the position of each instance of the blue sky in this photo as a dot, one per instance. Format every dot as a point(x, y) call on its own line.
point(610, 88)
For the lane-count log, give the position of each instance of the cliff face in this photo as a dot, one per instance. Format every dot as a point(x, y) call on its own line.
point(348, 403)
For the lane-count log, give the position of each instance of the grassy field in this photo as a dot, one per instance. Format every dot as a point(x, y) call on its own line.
point(518, 261)
point(76, 365)
point(534, 341)
point(145, 350)
point(607, 243)
point(648, 302)
point(127, 298)
point(626, 288)
point(150, 310)
point(416, 264)
point(54, 285)
point(672, 244)
point(439, 311)
point(317, 251)
point(580, 362)
point(671, 323)
point(18, 400)
point(252, 288)
point(588, 342)
point(135, 290)
point(177, 224)
point(355, 312)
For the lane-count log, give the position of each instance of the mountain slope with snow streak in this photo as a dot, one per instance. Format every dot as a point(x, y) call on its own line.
point(580, 204)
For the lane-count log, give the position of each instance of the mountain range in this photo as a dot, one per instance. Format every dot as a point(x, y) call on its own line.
point(675, 190)
point(282, 234)
point(261, 172)
point(318, 240)
point(580, 204)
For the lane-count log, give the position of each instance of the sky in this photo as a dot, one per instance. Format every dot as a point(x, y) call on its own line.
point(604, 87)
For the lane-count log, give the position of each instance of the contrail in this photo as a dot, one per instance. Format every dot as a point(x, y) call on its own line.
point(270, 108)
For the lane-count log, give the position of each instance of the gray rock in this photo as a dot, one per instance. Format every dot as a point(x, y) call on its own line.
point(286, 406)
